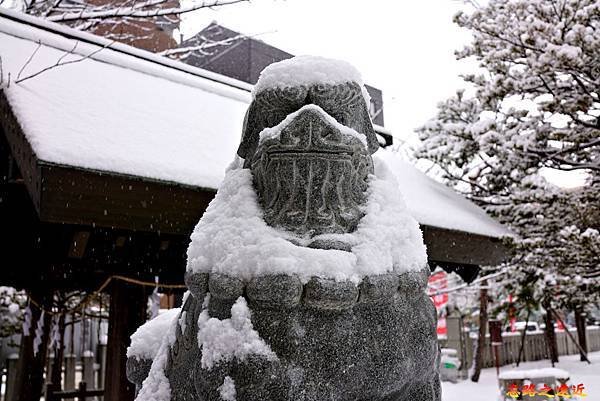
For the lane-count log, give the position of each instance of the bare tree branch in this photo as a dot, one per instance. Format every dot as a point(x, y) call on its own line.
point(136, 12)
point(59, 62)
point(467, 285)
point(29, 60)
point(202, 47)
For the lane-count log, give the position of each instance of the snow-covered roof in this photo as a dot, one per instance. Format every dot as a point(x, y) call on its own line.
point(123, 110)
point(116, 112)
point(434, 204)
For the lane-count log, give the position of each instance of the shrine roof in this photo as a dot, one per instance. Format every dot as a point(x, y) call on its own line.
point(116, 110)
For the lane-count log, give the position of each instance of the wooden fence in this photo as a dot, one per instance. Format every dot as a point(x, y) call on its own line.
point(82, 378)
point(535, 348)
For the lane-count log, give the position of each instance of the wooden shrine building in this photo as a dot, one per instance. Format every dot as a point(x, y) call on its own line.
point(108, 161)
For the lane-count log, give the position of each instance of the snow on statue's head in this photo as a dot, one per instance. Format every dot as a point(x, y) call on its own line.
point(308, 141)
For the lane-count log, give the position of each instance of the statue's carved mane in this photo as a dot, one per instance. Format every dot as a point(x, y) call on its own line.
point(344, 102)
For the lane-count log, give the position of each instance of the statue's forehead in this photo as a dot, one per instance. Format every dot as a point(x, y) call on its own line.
point(339, 95)
point(345, 102)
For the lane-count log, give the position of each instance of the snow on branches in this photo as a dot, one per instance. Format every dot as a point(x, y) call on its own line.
point(73, 10)
point(144, 9)
point(148, 24)
point(538, 97)
point(12, 306)
point(535, 105)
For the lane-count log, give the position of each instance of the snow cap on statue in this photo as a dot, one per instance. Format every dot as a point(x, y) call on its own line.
point(308, 71)
point(286, 86)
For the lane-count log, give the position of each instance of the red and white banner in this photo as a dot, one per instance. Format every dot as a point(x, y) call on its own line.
point(439, 281)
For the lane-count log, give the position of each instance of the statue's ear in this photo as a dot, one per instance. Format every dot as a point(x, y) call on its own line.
point(368, 130)
point(249, 133)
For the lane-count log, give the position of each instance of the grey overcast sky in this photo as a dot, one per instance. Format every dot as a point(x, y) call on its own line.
point(406, 49)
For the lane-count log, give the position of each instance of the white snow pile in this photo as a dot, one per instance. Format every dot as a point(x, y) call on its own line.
point(275, 132)
point(156, 387)
point(308, 70)
point(227, 389)
point(232, 237)
point(224, 340)
point(148, 338)
point(219, 340)
point(534, 374)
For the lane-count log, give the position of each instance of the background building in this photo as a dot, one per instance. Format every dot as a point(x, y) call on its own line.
point(242, 57)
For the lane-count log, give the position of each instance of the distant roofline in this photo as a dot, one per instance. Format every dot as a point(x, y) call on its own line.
point(245, 37)
point(378, 128)
point(85, 37)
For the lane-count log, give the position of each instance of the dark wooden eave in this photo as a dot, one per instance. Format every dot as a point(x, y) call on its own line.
point(71, 195)
point(446, 247)
point(77, 196)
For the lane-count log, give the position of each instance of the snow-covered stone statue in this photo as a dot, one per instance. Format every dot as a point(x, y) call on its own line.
point(306, 275)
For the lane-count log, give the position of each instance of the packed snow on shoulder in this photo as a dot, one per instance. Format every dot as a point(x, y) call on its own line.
point(227, 389)
point(157, 387)
point(232, 237)
point(232, 338)
point(147, 339)
point(275, 132)
point(308, 70)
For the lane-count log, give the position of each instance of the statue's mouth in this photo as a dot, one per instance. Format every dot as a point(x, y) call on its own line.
point(311, 177)
point(301, 153)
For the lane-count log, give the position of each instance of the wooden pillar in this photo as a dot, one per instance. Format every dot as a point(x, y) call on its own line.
point(483, 304)
point(59, 354)
point(30, 368)
point(550, 335)
point(128, 305)
point(581, 323)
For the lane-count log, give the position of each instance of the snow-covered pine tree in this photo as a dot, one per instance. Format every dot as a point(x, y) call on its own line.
point(535, 105)
point(12, 309)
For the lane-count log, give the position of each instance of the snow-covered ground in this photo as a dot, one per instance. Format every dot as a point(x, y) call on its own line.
point(487, 388)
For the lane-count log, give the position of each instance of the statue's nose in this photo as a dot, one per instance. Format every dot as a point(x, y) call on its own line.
point(310, 129)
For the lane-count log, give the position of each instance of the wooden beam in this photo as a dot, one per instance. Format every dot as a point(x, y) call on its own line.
point(127, 312)
point(462, 248)
point(21, 150)
point(73, 195)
